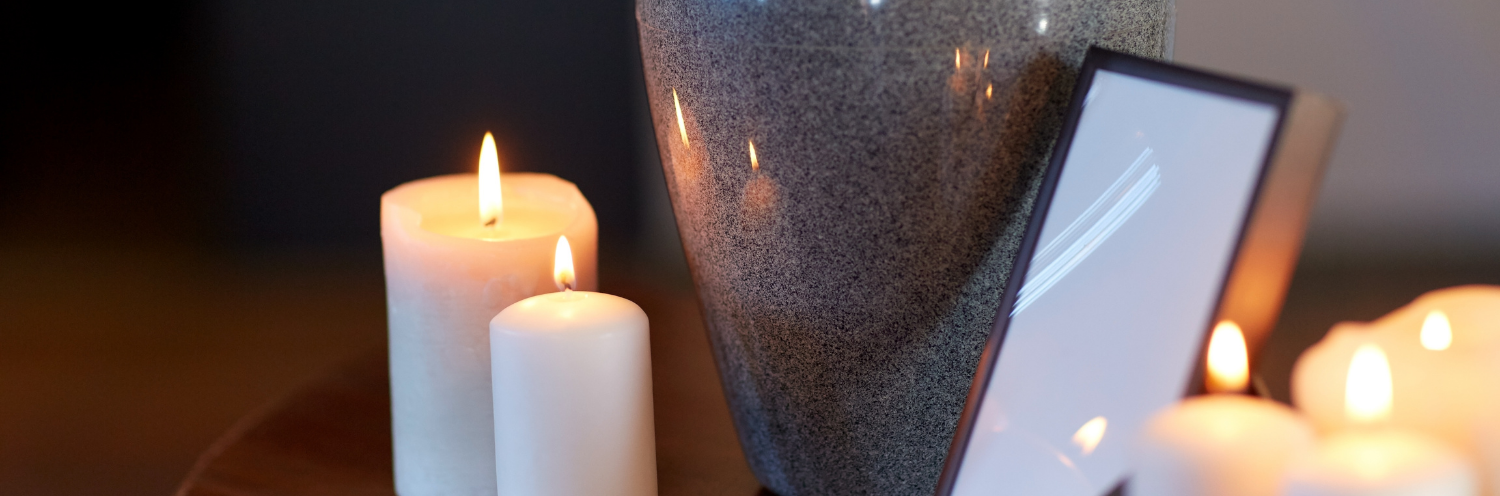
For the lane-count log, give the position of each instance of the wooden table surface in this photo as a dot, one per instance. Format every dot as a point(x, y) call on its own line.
point(333, 436)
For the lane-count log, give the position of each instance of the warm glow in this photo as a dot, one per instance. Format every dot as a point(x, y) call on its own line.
point(754, 162)
point(491, 209)
point(986, 58)
point(1228, 361)
point(989, 91)
point(1088, 436)
point(1367, 394)
point(957, 62)
point(562, 266)
point(681, 127)
point(1437, 333)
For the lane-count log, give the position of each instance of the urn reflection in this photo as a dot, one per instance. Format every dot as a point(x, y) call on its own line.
point(851, 182)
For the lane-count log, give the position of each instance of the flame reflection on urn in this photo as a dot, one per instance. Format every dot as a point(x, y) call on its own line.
point(758, 205)
point(685, 163)
point(754, 162)
point(681, 126)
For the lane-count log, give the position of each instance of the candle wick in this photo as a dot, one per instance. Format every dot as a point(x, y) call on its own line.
point(492, 222)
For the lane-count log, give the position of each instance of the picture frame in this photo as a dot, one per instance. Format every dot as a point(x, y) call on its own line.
point(1263, 246)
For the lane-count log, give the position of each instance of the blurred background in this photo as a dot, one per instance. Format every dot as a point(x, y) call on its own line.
point(189, 190)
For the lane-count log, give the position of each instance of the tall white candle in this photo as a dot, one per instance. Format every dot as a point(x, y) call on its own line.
point(572, 379)
point(1372, 458)
point(452, 261)
point(1220, 444)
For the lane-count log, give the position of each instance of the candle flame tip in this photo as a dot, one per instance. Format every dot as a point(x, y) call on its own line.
point(491, 205)
point(1368, 388)
point(1228, 359)
point(1437, 331)
point(562, 266)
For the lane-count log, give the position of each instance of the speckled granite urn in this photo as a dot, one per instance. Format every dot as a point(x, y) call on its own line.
point(851, 181)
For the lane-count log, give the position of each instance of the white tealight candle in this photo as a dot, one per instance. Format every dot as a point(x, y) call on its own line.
point(1220, 444)
point(1373, 459)
point(1444, 354)
point(572, 392)
point(456, 253)
point(1381, 462)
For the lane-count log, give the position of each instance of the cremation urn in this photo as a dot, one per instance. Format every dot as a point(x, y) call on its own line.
point(851, 180)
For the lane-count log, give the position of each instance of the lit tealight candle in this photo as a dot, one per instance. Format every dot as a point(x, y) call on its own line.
point(1223, 444)
point(1444, 354)
point(1372, 459)
point(457, 251)
point(572, 391)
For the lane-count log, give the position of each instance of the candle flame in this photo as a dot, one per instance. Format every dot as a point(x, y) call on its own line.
point(1437, 333)
point(491, 208)
point(957, 61)
point(562, 266)
point(1367, 392)
point(986, 58)
point(1088, 436)
point(1228, 361)
point(754, 162)
point(989, 91)
point(681, 127)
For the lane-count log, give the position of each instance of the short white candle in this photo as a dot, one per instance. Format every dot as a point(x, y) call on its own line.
point(572, 392)
point(1444, 353)
point(447, 274)
point(1381, 462)
point(1220, 444)
point(1371, 458)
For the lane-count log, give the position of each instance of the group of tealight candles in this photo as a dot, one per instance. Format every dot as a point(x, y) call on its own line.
point(509, 375)
point(1406, 405)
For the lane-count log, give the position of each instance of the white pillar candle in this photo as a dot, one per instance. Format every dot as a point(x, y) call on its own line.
point(1372, 458)
point(1220, 444)
point(1444, 352)
point(572, 392)
point(447, 275)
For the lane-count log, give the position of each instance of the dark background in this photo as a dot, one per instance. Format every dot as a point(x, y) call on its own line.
point(189, 197)
point(189, 190)
point(252, 124)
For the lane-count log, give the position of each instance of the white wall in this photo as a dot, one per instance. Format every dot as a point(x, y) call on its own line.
point(1417, 169)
